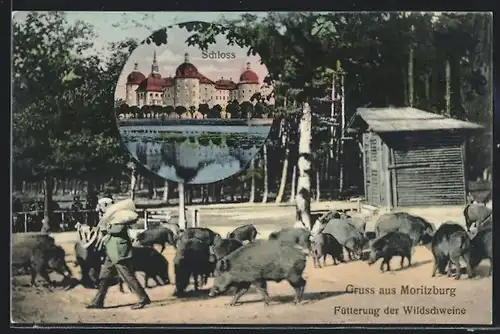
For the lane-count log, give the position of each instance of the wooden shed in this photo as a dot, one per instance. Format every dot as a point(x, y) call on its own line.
point(412, 157)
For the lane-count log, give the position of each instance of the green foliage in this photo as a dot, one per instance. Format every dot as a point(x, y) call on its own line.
point(62, 121)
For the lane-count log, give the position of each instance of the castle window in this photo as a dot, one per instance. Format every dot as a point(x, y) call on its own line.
point(156, 95)
point(150, 94)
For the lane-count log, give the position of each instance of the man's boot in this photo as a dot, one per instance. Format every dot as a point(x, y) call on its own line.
point(141, 304)
point(98, 301)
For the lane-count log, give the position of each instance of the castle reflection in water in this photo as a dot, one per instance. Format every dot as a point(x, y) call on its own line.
point(208, 153)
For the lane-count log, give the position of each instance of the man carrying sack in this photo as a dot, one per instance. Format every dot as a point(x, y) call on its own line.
point(115, 222)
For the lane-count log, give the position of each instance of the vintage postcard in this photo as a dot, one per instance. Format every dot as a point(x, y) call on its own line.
point(252, 168)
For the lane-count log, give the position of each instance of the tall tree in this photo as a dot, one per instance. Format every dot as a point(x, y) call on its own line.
point(61, 114)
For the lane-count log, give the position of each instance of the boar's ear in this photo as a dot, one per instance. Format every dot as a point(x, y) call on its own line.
point(224, 265)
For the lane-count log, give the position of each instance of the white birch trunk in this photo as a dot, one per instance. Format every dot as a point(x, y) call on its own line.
point(303, 197)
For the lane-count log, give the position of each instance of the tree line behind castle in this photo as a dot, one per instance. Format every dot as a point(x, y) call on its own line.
point(258, 109)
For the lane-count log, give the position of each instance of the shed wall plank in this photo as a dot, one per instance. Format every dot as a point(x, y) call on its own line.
point(439, 177)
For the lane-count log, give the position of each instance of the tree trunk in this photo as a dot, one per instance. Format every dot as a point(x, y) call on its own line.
point(217, 192)
point(264, 163)
point(204, 194)
point(133, 183)
point(231, 190)
point(56, 187)
point(189, 193)
point(411, 88)
point(318, 186)
point(252, 182)
point(243, 190)
point(293, 191)
point(92, 217)
point(303, 198)
point(165, 192)
point(284, 171)
point(405, 87)
point(151, 187)
point(427, 89)
point(47, 205)
point(447, 96)
point(182, 206)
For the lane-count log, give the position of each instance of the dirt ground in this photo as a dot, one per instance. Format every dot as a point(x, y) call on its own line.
point(329, 298)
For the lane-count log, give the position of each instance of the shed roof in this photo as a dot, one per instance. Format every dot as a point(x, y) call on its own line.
point(406, 119)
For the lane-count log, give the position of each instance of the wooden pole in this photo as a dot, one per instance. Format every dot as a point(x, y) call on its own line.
point(182, 206)
point(342, 130)
point(332, 115)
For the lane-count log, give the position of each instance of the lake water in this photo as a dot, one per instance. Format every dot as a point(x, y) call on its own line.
point(189, 161)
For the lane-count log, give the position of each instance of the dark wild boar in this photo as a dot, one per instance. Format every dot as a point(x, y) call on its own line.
point(151, 263)
point(39, 256)
point(293, 236)
point(175, 228)
point(391, 244)
point(324, 244)
point(449, 244)
point(156, 236)
point(257, 263)
point(191, 260)
point(482, 248)
point(243, 233)
point(417, 228)
point(346, 234)
point(223, 247)
point(204, 234)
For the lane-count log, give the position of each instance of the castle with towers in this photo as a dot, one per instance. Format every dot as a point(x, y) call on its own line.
point(188, 88)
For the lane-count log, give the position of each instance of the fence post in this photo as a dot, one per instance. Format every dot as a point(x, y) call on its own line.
point(26, 223)
point(145, 219)
point(195, 217)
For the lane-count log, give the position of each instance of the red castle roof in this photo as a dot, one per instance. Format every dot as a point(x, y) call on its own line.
point(205, 80)
point(135, 77)
point(225, 84)
point(186, 70)
point(249, 76)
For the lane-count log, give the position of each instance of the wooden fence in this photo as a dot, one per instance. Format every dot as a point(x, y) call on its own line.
point(149, 217)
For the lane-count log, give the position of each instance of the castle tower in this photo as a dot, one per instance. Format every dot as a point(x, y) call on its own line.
point(187, 84)
point(133, 80)
point(155, 70)
point(248, 85)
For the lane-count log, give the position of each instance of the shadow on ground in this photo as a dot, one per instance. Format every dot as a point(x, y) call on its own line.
point(413, 265)
point(308, 298)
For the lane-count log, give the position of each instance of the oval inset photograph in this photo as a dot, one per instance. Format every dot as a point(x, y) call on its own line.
point(193, 115)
